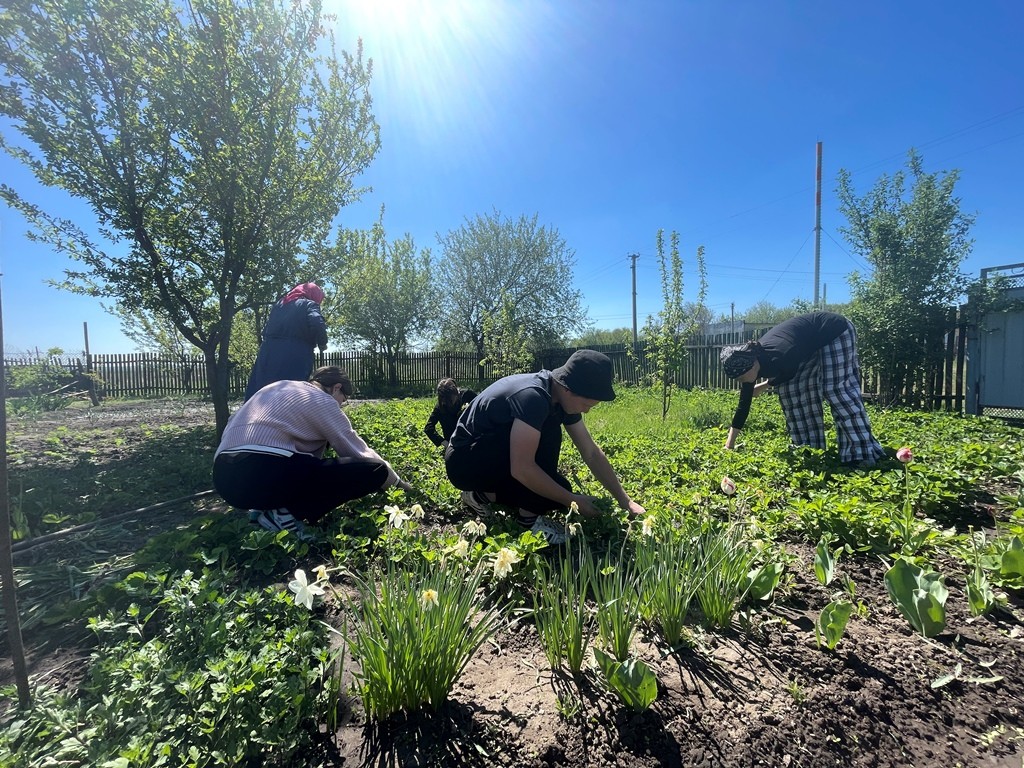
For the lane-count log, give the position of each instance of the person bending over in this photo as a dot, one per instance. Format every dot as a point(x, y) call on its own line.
point(451, 401)
point(806, 359)
point(270, 457)
point(294, 328)
point(506, 445)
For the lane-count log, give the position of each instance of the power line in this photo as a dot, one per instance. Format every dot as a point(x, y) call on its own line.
point(850, 255)
point(772, 288)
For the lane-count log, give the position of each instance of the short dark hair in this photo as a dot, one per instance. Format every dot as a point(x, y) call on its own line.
point(447, 387)
point(330, 375)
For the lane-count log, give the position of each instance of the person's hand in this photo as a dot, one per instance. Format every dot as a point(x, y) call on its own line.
point(635, 510)
point(403, 485)
point(585, 505)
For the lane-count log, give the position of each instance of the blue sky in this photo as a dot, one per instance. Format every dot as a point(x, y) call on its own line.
point(611, 120)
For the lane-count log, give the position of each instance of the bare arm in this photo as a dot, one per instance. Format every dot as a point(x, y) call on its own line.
point(598, 463)
point(523, 442)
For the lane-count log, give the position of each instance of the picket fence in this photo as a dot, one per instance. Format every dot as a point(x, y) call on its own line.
point(145, 375)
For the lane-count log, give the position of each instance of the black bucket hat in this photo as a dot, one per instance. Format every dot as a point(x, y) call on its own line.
point(587, 373)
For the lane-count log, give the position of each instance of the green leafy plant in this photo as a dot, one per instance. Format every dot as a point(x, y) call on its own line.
point(796, 691)
point(221, 678)
point(668, 562)
point(920, 596)
point(911, 532)
point(958, 674)
point(831, 623)
point(764, 580)
point(564, 620)
point(726, 556)
point(980, 597)
point(634, 681)
point(1012, 561)
point(825, 560)
point(617, 594)
point(415, 630)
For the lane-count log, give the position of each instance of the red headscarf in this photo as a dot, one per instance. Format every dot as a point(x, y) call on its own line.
point(310, 291)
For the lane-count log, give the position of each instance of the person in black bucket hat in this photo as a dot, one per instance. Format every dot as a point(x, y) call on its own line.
point(506, 444)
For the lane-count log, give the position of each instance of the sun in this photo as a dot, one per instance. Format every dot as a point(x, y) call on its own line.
point(439, 63)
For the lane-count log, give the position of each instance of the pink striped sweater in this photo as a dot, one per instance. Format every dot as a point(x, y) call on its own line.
point(296, 416)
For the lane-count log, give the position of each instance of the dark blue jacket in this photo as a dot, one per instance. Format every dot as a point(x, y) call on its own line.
point(291, 333)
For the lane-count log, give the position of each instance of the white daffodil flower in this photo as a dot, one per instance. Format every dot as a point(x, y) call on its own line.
point(304, 591)
point(473, 528)
point(396, 516)
point(416, 512)
point(647, 527)
point(428, 599)
point(459, 548)
point(504, 560)
point(321, 572)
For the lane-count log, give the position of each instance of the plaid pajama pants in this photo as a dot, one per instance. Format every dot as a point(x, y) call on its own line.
point(833, 375)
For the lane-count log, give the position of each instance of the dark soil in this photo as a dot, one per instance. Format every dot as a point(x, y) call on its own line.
point(760, 694)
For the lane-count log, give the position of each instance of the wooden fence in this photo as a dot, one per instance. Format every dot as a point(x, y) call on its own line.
point(155, 375)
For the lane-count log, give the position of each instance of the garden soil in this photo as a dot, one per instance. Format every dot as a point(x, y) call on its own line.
point(761, 694)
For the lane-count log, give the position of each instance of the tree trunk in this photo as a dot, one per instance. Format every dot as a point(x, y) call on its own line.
point(218, 374)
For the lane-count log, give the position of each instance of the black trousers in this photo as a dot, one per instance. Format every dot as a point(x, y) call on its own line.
point(306, 486)
point(485, 465)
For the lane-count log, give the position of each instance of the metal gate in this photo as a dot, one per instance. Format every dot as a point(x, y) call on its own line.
point(996, 351)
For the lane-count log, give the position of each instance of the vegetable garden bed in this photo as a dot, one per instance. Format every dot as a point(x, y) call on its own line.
point(198, 652)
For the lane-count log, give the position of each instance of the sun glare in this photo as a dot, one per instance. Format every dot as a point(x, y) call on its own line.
point(440, 64)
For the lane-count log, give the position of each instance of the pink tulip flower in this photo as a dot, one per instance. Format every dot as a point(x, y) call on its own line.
point(905, 455)
point(728, 486)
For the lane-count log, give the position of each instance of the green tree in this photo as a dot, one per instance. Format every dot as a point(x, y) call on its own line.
point(915, 241)
point(382, 293)
point(506, 343)
point(594, 337)
point(664, 336)
point(491, 261)
point(766, 313)
point(214, 140)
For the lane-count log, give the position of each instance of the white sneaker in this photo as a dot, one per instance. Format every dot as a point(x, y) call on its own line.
point(282, 520)
point(554, 533)
point(474, 502)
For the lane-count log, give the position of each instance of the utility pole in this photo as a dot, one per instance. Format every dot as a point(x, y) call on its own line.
point(817, 228)
point(732, 320)
point(633, 257)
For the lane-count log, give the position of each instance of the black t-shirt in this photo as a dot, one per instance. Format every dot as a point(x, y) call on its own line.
point(793, 342)
point(523, 396)
point(786, 347)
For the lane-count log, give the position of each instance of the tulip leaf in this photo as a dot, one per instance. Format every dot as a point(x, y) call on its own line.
point(920, 595)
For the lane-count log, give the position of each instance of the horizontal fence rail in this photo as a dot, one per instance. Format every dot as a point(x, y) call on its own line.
point(146, 374)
